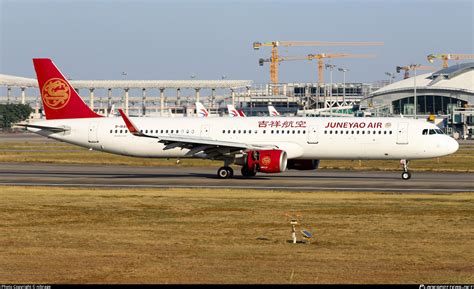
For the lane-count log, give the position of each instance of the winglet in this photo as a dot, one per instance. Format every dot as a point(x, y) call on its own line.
point(131, 127)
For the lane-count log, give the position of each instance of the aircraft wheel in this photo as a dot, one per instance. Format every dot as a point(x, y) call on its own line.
point(406, 175)
point(225, 172)
point(246, 172)
point(231, 172)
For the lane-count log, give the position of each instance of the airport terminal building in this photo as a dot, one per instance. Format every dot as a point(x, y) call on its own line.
point(447, 93)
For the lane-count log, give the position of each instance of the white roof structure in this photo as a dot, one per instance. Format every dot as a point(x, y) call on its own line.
point(15, 81)
point(454, 78)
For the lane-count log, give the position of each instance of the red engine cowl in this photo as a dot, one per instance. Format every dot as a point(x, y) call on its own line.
point(267, 161)
point(303, 165)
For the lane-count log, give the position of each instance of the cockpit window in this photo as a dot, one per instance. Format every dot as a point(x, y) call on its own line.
point(432, 131)
point(439, 131)
point(425, 131)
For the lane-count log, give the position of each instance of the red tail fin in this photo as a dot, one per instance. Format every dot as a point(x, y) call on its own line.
point(60, 100)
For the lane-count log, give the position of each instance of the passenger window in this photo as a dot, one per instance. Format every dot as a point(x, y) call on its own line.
point(330, 132)
point(352, 132)
point(335, 132)
point(304, 132)
point(432, 131)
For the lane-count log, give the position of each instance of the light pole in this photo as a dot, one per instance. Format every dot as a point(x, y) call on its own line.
point(343, 70)
point(330, 67)
point(414, 68)
point(390, 77)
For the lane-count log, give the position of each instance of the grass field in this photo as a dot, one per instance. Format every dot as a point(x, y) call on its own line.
point(56, 152)
point(67, 235)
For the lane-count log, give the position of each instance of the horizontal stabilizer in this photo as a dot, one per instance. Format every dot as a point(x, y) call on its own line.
point(50, 128)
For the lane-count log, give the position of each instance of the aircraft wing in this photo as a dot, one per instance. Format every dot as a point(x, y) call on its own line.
point(213, 149)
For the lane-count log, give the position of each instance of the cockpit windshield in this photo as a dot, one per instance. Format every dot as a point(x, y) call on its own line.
point(431, 131)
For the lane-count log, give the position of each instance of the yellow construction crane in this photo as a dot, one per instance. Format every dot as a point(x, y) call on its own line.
point(407, 69)
point(275, 59)
point(320, 57)
point(447, 56)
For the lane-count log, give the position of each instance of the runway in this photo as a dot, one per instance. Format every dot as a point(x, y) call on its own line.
point(198, 177)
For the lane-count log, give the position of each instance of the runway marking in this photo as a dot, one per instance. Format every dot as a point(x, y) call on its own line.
point(240, 187)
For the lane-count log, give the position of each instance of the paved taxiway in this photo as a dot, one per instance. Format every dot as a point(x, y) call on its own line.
point(192, 177)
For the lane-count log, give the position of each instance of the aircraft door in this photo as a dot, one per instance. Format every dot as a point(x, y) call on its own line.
point(205, 130)
point(312, 135)
point(402, 133)
point(93, 133)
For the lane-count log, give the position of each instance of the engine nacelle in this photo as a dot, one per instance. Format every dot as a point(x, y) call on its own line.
point(303, 165)
point(266, 161)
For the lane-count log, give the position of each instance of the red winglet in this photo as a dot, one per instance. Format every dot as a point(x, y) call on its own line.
point(131, 127)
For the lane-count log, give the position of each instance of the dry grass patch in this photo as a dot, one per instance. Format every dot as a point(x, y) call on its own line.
point(70, 235)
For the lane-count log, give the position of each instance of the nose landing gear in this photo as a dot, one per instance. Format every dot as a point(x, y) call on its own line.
point(406, 175)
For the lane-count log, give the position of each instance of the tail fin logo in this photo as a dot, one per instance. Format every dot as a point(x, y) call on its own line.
point(56, 93)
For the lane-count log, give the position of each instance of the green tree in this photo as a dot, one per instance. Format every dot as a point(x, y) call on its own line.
point(12, 113)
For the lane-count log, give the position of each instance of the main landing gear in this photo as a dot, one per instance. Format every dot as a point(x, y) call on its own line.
point(246, 172)
point(406, 175)
point(225, 172)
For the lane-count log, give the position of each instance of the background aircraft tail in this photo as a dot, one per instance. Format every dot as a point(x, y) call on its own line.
point(272, 111)
point(60, 100)
point(232, 111)
point(201, 110)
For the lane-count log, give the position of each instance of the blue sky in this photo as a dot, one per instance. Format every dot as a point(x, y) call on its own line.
point(208, 39)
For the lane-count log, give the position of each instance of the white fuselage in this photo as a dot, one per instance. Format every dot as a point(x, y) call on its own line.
point(301, 138)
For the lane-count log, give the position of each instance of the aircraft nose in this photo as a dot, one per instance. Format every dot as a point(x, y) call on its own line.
point(452, 145)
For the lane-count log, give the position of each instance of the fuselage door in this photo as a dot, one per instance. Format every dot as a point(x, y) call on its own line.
point(93, 134)
point(205, 130)
point(402, 133)
point(313, 135)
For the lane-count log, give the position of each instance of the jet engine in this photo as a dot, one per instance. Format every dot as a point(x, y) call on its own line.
point(303, 165)
point(266, 161)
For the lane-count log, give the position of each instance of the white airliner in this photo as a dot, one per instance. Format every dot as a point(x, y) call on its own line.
point(272, 111)
point(258, 144)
